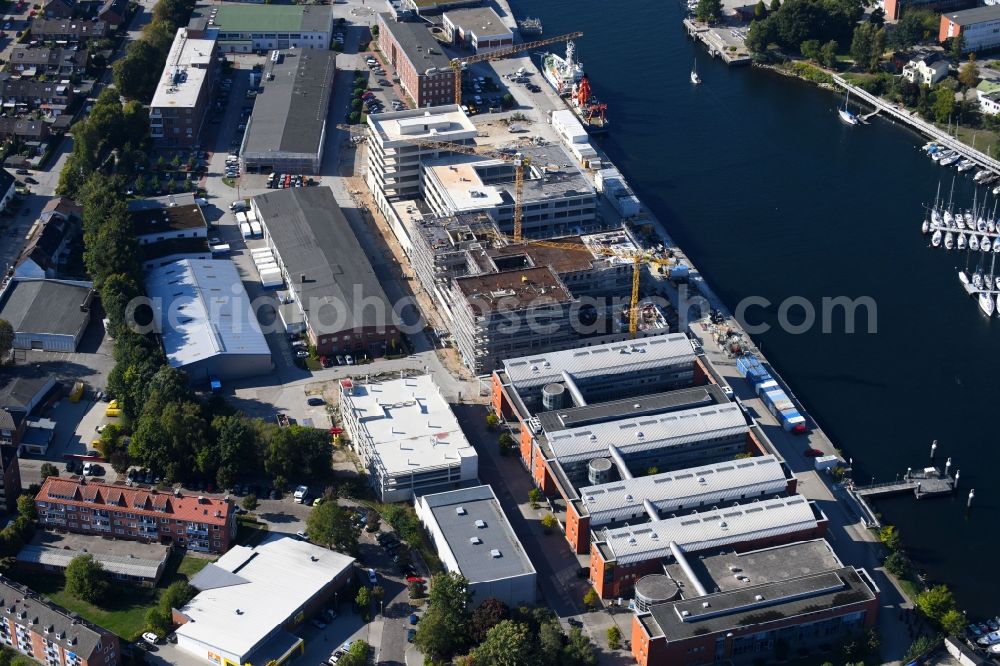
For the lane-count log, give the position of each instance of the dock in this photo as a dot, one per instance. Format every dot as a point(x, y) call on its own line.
point(930, 482)
point(895, 112)
point(722, 41)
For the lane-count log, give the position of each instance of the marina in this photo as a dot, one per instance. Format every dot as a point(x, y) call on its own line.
point(928, 482)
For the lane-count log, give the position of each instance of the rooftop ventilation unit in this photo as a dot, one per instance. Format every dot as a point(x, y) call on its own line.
point(475, 541)
point(480, 524)
point(460, 510)
point(495, 553)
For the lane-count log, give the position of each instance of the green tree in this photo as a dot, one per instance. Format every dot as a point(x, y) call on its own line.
point(250, 502)
point(506, 644)
point(968, 73)
point(550, 643)
point(444, 630)
point(910, 29)
point(867, 46)
point(590, 599)
point(26, 508)
point(942, 105)
point(935, 602)
point(6, 339)
point(775, 5)
point(506, 443)
point(578, 650)
point(877, 17)
point(356, 655)
point(364, 600)
point(897, 564)
point(953, 622)
point(708, 11)
point(828, 54)
point(85, 579)
point(491, 421)
point(47, 470)
point(811, 49)
point(486, 616)
point(534, 497)
point(549, 523)
point(614, 637)
point(330, 525)
point(922, 646)
point(177, 595)
point(158, 621)
point(890, 538)
point(957, 47)
point(760, 10)
point(372, 521)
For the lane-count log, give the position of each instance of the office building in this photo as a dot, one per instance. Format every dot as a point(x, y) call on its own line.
point(205, 524)
point(132, 562)
point(978, 27)
point(25, 393)
point(407, 437)
point(474, 539)
point(758, 606)
point(258, 28)
point(169, 228)
point(287, 128)
point(477, 28)
point(425, 72)
point(183, 94)
point(251, 599)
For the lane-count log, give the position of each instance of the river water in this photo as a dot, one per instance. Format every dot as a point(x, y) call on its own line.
point(772, 196)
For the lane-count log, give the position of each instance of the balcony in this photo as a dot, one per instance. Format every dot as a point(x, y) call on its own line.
point(197, 531)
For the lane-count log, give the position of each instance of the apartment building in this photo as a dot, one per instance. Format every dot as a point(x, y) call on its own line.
point(116, 511)
point(256, 28)
point(979, 28)
point(184, 92)
point(70, 30)
point(407, 437)
point(425, 72)
point(756, 606)
point(50, 634)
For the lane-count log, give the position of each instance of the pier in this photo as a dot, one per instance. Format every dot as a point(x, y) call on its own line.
point(722, 41)
point(927, 483)
point(913, 120)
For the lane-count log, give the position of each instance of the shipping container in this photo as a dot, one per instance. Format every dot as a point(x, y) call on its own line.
point(271, 278)
point(826, 462)
point(258, 231)
point(220, 249)
point(259, 259)
point(259, 251)
point(265, 268)
point(245, 230)
point(241, 217)
point(775, 401)
point(766, 386)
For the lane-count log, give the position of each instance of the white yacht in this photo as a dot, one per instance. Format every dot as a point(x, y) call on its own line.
point(965, 165)
point(986, 303)
point(974, 242)
point(695, 79)
point(985, 245)
point(935, 216)
point(963, 277)
point(962, 241)
point(845, 114)
point(936, 238)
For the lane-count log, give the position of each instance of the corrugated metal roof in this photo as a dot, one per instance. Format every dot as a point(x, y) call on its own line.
point(685, 488)
point(617, 358)
point(711, 529)
point(648, 433)
point(115, 564)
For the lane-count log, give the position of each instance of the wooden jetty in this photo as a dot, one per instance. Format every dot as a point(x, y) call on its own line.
point(929, 482)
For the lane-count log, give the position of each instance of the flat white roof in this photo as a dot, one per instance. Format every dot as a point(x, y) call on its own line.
point(409, 423)
point(184, 72)
point(460, 185)
point(248, 592)
point(711, 529)
point(687, 488)
point(444, 123)
point(647, 433)
point(615, 358)
point(567, 122)
point(204, 311)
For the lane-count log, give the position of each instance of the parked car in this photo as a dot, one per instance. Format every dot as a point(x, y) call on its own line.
point(335, 657)
point(319, 624)
point(414, 618)
point(150, 637)
point(812, 453)
point(410, 635)
point(300, 493)
point(372, 576)
point(302, 535)
point(315, 402)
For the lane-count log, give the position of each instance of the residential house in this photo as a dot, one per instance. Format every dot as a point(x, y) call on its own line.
point(988, 93)
point(49, 239)
point(52, 97)
point(25, 392)
point(59, 9)
point(113, 12)
point(70, 30)
point(23, 129)
point(926, 69)
point(28, 61)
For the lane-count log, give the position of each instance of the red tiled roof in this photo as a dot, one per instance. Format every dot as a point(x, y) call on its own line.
point(184, 507)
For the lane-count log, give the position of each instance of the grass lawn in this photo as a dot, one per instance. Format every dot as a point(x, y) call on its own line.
point(250, 532)
point(125, 614)
point(985, 139)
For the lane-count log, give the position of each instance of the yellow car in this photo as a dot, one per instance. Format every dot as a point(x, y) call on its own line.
point(112, 411)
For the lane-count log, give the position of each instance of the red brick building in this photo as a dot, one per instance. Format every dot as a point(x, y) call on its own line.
point(765, 612)
point(424, 71)
point(198, 523)
point(48, 633)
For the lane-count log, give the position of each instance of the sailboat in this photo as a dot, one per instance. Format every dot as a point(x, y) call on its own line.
point(846, 115)
point(961, 241)
point(695, 79)
point(986, 303)
point(984, 244)
point(974, 243)
point(949, 241)
point(936, 238)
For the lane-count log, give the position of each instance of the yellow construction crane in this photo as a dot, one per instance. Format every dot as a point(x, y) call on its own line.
point(497, 54)
point(522, 161)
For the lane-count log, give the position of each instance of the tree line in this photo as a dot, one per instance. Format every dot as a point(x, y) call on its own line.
point(137, 73)
point(493, 634)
